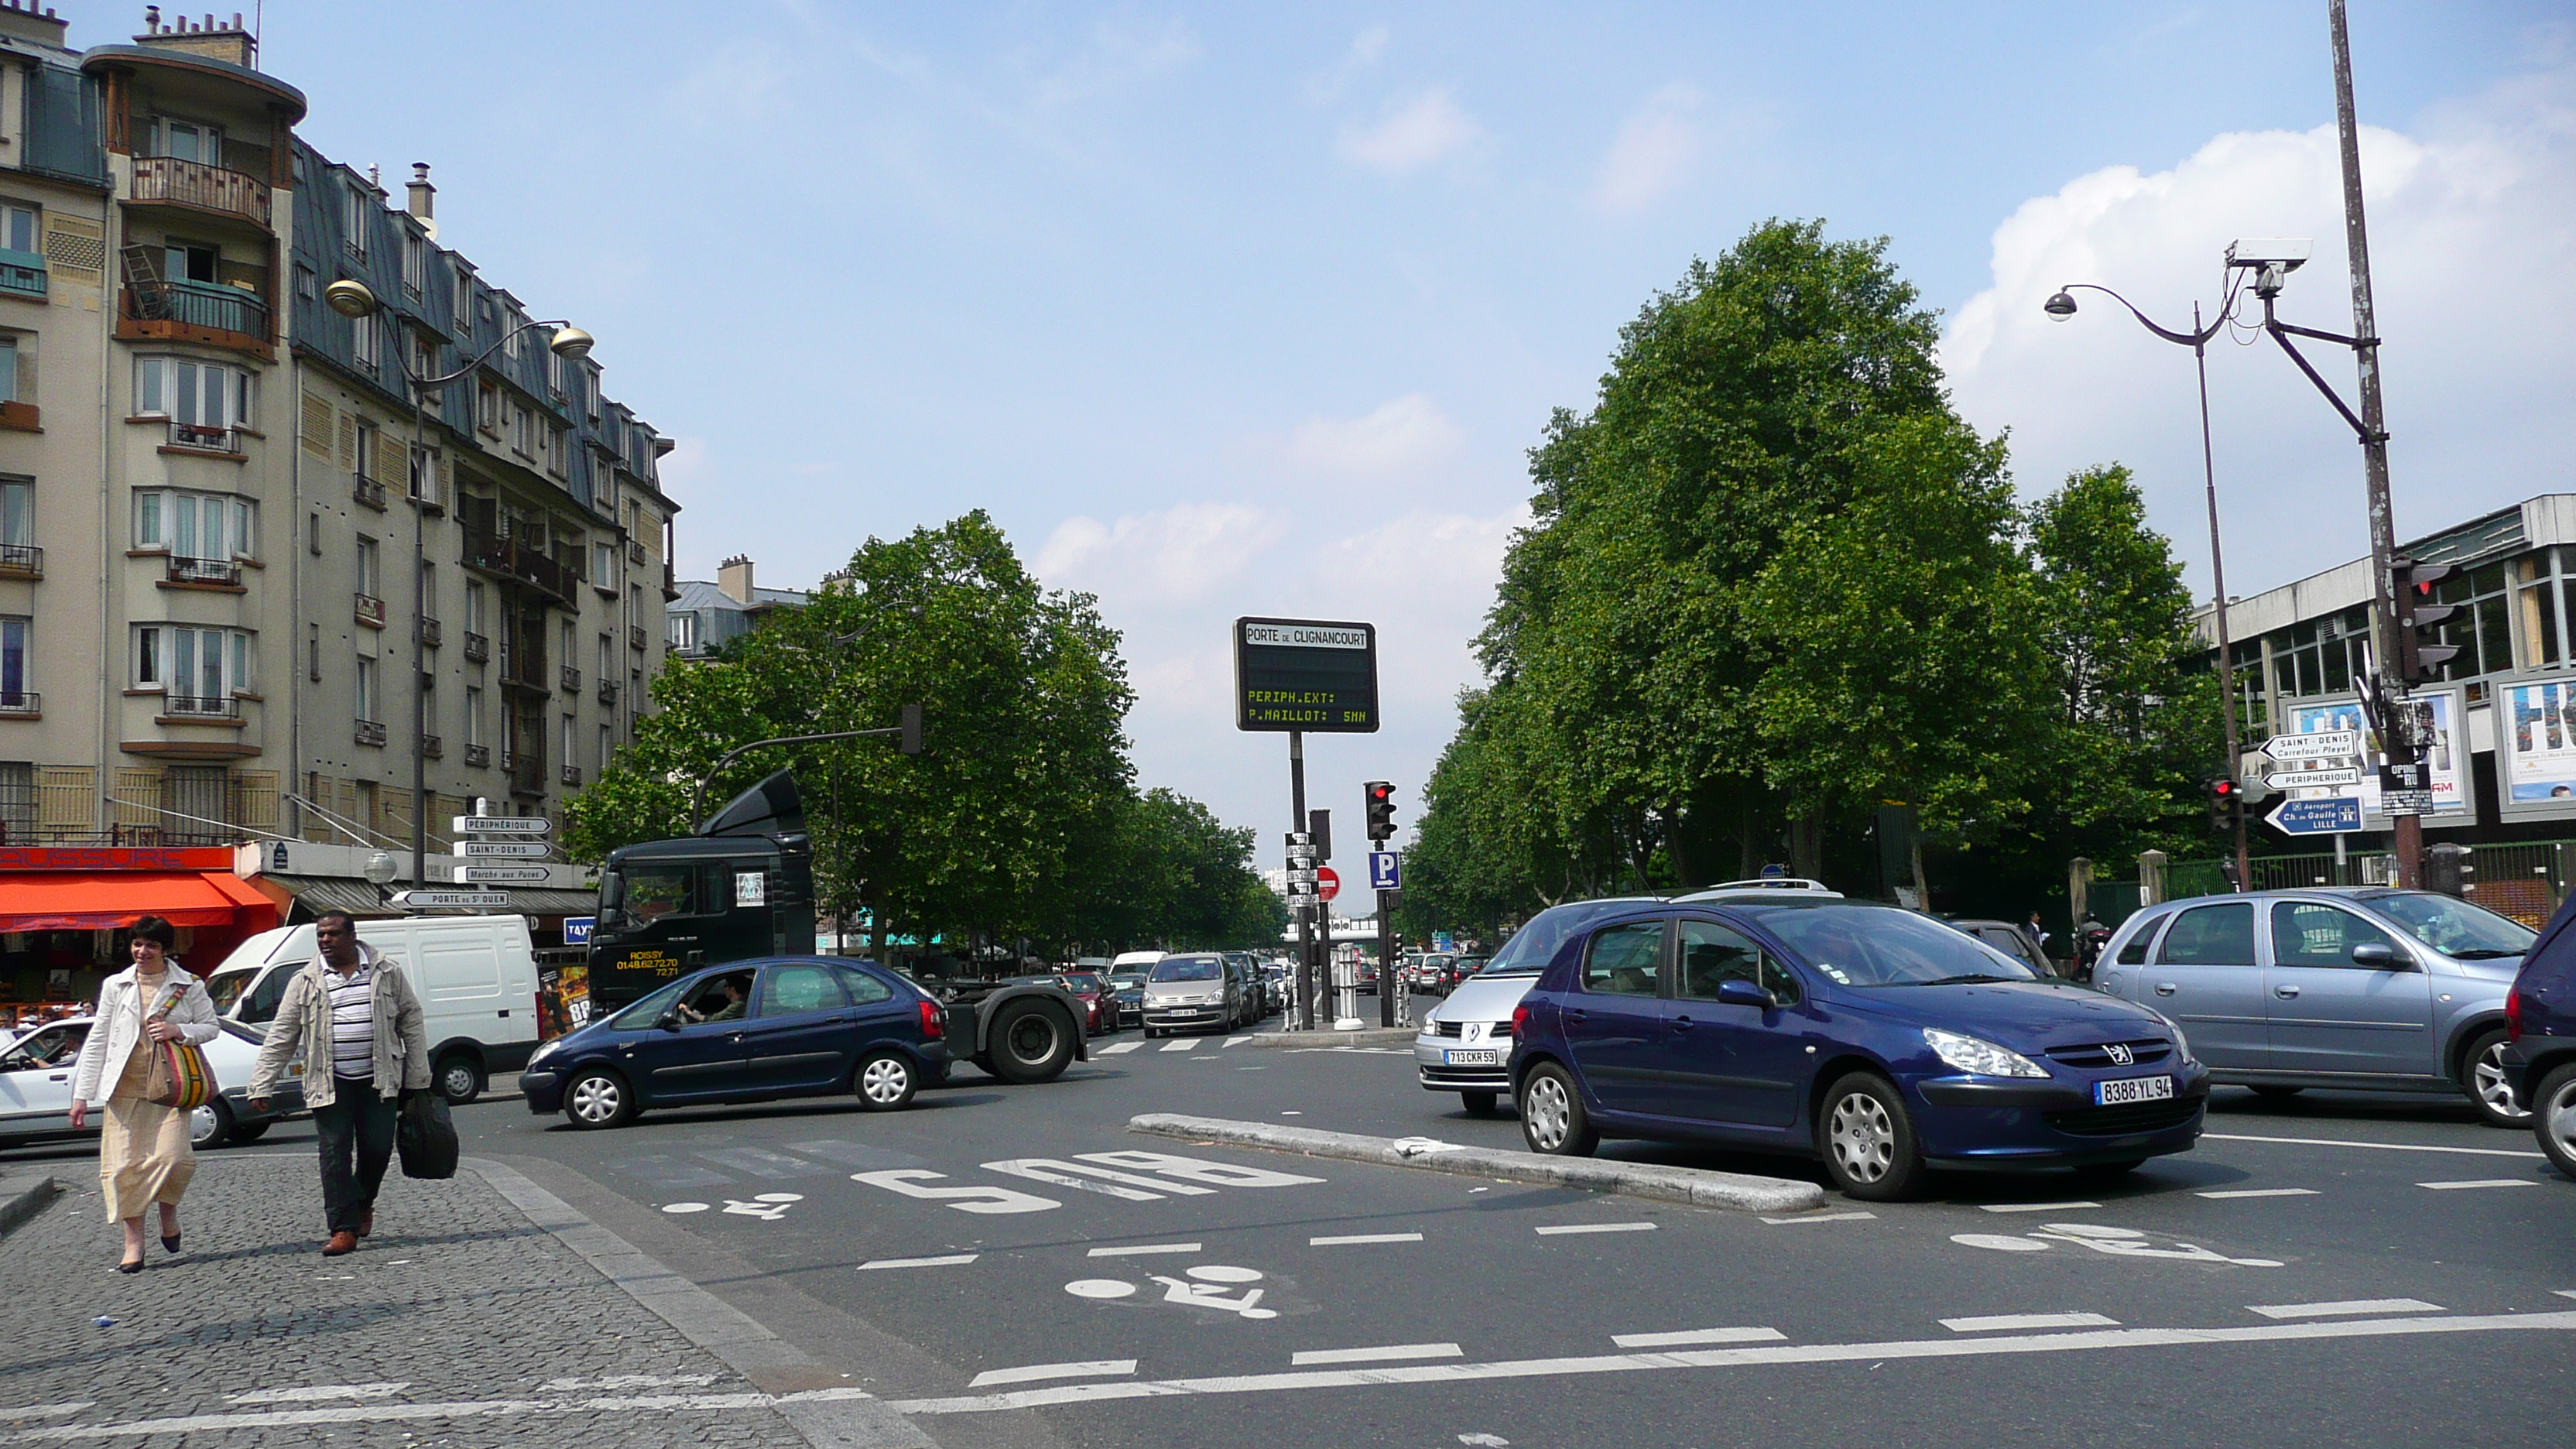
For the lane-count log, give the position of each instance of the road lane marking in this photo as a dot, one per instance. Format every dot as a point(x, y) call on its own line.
point(630, 1381)
point(1851, 1217)
point(1030, 1373)
point(2479, 1182)
point(945, 1260)
point(1389, 1354)
point(1114, 1048)
point(1595, 1228)
point(1232, 1041)
point(2014, 1322)
point(2374, 1146)
point(2096, 1340)
point(2258, 1192)
point(2035, 1207)
point(2348, 1308)
point(2564, 1292)
point(1354, 1239)
point(1698, 1335)
point(1137, 1250)
point(317, 1393)
point(1185, 1044)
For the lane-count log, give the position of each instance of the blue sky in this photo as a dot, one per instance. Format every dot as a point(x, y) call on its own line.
point(1231, 309)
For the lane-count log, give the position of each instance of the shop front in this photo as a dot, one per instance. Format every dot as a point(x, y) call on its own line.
point(65, 911)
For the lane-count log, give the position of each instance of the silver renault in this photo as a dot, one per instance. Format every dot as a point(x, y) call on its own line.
point(2359, 989)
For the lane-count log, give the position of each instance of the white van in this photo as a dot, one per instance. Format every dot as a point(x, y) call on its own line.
point(476, 977)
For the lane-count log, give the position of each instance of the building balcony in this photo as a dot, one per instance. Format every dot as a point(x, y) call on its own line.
point(22, 274)
point(478, 757)
point(635, 552)
point(370, 611)
point(170, 181)
point(188, 706)
point(432, 634)
point(231, 318)
point(507, 558)
point(478, 649)
point(367, 491)
point(636, 638)
point(571, 679)
point(432, 748)
point(371, 732)
point(523, 670)
point(222, 572)
point(607, 690)
point(527, 774)
point(21, 703)
point(572, 774)
point(201, 438)
point(21, 561)
point(670, 583)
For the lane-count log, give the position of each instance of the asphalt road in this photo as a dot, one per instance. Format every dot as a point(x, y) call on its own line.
point(1010, 1266)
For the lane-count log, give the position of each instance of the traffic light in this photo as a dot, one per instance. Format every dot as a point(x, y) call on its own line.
point(2452, 870)
point(2420, 652)
point(911, 740)
point(1381, 811)
point(2226, 798)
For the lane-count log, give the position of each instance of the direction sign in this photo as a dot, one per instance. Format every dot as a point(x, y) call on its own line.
point(503, 849)
point(2322, 745)
point(1386, 871)
point(502, 874)
point(1305, 675)
point(499, 824)
point(432, 900)
point(2303, 779)
point(1328, 882)
point(2321, 815)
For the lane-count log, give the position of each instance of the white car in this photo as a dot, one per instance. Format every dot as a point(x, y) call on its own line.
point(36, 1087)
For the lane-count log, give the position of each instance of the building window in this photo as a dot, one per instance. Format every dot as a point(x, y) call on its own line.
point(18, 512)
point(607, 747)
point(194, 525)
point(2481, 628)
point(365, 465)
point(9, 371)
point(415, 261)
point(185, 261)
point(607, 659)
point(18, 229)
point(424, 474)
point(523, 430)
point(684, 632)
point(305, 290)
point(367, 689)
point(474, 717)
point(189, 140)
point(464, 303)
point(202, 394)
point(196, 664)
point(370, 566)
point(2321, 656)
point(555, 455)
point(362, 341)
point(603, 564)
point(474, 608)
point(487, 408)
point(13, 663)
point(571, 739)
point(313, 652)
point(2545, 597)
point(353, 219)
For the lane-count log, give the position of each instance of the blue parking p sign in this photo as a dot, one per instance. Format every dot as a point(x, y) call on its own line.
point(1385, 874)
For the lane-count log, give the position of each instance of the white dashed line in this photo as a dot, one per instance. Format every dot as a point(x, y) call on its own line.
point(1354, 1239)
point(1232, 1041)
point(1389, 1354)
point(2348, 1308)
point(1183, 1044)
point(2564, 1292)
point(1031, 1373)
point(1698, 1335)
point(1852, 1217)
point(2012, 1322)
point(2374, 1146)
point(1140, 1249)
point(2035, 1207)
point(1552, 1228)
point(316, 1394)
point(2479, 1182)
point(1115, 1047)
point(949, 1260)
point(2258, 1192)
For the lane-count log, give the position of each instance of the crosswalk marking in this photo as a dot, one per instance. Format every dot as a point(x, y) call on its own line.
point(1031, 1373)
point(947, 1260)
point(1352, 1239)
point(2352, 1307)
point(1134, 1250)
point(1850, 1217)
point(2000, 1322)
point(1181, 1044)
point(2259, 1192)
point(1698, 1335)
point(2035, 1207)
point(1595, 1228)
point(2479, 1182)
point(1391, 1353)
point(1115, 1047)
point(1232, 1041)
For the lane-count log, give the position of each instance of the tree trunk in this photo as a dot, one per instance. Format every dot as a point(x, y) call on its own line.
point(1677, 850)
point(1922, 887)
point(1806, 846)
point(1748, 859)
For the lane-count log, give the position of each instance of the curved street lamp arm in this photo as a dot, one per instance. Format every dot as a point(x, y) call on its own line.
point(477, 361)
point(2187, 339)
point(910, 729)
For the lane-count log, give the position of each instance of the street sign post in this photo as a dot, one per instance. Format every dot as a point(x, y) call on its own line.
point(500, 825)
point(2312, 779)
point(502, 874)
point(1305, 676)
point(2321, 745)
point(2323, 815)
point(576, 930)
point(1328, 882)
point(1386, 870)
point(503, 849)
point(426, 900)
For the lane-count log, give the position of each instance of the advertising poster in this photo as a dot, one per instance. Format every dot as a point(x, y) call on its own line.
point(2444, 763)
point(2536, 739)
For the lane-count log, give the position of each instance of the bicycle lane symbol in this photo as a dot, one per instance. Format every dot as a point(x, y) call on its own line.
point(1203, 1286)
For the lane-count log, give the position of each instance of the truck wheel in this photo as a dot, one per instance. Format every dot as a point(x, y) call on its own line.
point(1031, 1042)
point(884, 1080)
point(596, 1099)
point(459, 1077)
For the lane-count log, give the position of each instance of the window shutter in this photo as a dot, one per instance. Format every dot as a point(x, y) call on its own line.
point(317, 426)
point(349, 441)
point(390, 464)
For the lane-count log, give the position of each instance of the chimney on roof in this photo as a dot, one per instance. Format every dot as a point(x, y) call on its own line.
point(733, 579)
point(424, 198)
point(228, 41)
point(30, 20)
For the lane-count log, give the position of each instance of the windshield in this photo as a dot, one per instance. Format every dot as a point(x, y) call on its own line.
point(649, 1011)
point(1081, 981)
point(2455, 928)
point(1534, 945)
point(1123, 979)
point(258, 1005)
point(227, 987)
point(1882, 946)
point(1188, 968)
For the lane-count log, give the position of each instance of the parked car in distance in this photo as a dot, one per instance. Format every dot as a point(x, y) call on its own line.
point(1195, 991)
point(1464, 1044)
point(2013, 940)
point(1880, 1040)
point(1274, 985)
point(1462, 967)
point(36, 1070)
point(1127, 997)
point(1099, 1015)
point(2363, 989)
point(476, 977)
point(748, 1031)
point(2540, 1057)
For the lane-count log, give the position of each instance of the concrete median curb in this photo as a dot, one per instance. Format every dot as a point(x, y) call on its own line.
point(1366, 1036)
point(1694, 1186)
point(23, 1195)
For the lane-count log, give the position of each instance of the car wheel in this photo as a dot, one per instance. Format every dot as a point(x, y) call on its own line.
point(1868, 1140)
point(1552, 1117)
point(252, 1133)
point(2553, 1117)
point(883, 1081)
point(1030, 1042)
point(1479, 1104)
point(210, 1126)
point(459, 1077)
point(596, 1099)
point(2276, 1094)
point(2482, 1076)
point(1152, 1032)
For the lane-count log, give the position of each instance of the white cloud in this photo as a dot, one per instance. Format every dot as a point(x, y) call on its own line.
point(1399, 435)
point(2473, 264)
point(1178, 555)
point(1121, 53)
point(1421, 132)
point(1367, 48)
point(1653, 153)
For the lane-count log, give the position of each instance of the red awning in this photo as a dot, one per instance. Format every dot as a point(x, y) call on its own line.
point(107, 900)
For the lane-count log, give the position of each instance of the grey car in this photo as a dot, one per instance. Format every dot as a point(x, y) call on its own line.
point(1465, 1043)
point(2368, 989)
point(1196, 991)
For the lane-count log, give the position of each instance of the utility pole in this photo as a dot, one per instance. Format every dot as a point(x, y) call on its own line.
point(2218, 610)
point(1301, 856)
point(2397, 725)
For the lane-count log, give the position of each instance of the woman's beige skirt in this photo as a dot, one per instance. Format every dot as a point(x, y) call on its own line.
point(144, 1156)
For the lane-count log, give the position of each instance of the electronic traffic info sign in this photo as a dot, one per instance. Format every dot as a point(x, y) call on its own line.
point(1306, 675)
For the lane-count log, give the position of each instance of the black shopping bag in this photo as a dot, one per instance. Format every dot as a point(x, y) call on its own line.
point(426, 1137)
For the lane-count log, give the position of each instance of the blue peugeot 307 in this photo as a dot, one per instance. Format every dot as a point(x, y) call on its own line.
point(750, 1031)
point(1878, 1039)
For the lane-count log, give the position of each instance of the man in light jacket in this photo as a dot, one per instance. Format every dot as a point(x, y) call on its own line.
point(359, 1024)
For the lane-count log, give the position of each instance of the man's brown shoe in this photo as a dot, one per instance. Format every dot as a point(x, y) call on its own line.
point(340, 1243)
point(367, 1222)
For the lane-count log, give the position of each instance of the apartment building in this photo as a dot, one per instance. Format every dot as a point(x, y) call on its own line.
point(705, 616)
point(228, 541)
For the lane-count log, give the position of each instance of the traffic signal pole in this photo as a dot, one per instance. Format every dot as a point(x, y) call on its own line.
point(1301, 1011)
point(2218, 609)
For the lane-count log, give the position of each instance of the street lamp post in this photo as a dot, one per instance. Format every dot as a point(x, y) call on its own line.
point(2062, 306)
point(352, 298)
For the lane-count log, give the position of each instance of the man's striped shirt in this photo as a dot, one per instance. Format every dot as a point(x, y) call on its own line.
point(353, 1024)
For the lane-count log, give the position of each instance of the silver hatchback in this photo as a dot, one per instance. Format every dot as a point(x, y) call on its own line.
point(2369, 989)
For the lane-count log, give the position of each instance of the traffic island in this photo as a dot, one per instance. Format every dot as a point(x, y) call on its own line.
point(1697, 1187)
point(1365, 1036)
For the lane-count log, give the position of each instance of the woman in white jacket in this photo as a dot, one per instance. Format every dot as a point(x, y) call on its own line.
point(144, 1151)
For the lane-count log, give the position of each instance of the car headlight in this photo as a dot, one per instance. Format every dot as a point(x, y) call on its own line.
point(1978, 1056)
point(552, 1048)
point(2182, 1044)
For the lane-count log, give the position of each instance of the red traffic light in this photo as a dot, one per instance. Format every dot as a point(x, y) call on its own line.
point(2223, 788)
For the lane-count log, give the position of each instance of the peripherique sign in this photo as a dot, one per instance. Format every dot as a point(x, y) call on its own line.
point(1314, 676)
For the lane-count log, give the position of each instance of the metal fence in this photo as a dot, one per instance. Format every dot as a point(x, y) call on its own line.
point(2525, 880)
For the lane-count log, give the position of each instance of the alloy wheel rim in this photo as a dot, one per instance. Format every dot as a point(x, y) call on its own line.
point(201, 1124)
point(1864, 1139)
point(1547, 1113)
point(594, 1100)
point(2487, 1079)
point(883, 1081)
point(2562, 1119)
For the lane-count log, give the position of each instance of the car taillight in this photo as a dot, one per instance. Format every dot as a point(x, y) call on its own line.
point(1520, 1020)
point(2513, 1016)
point(934, 1025)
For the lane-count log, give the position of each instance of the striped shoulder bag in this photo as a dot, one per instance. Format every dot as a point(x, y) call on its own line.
point(181, 1077)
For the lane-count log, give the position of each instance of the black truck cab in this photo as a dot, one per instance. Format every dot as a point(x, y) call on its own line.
point(742, 887)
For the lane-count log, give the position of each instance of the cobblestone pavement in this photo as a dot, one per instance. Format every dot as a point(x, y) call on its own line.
point(459, 1323)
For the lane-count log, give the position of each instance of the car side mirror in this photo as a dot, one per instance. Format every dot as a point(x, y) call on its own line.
point(1739, 992)
point(670, 1021)
point(2378, 955)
